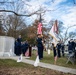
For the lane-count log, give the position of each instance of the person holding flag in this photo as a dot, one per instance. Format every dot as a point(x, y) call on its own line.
point(40, 39)
point(39, 43)
point(54, 32)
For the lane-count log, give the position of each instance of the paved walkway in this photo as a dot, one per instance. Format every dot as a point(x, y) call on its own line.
point(50, 66)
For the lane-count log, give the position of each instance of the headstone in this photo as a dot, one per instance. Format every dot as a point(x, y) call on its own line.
point(7, 46)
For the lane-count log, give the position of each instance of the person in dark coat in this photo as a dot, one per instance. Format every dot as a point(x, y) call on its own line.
point(70, 48)
point(75, 48)
point(73, 44)
point(23, 48)
point(58, 49)
point(26, 46)
point(62, 48)
point(15, 47)
point(19, 45)
point(40, 46)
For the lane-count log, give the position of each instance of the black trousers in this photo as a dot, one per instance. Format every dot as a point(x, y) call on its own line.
point(59, 54)
point(40, 52)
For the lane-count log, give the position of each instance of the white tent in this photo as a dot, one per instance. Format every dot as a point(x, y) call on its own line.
point(6, 46)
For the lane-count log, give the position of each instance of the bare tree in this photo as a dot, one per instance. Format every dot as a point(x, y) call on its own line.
point(69, 35)
point(14, 24)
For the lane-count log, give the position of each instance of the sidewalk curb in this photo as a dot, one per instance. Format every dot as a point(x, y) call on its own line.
point(45, 65)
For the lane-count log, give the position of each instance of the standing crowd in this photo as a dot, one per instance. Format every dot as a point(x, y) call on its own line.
point(22, 47)
point(58, 50)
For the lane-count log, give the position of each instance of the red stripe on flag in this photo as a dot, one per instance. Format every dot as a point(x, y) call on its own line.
point(39, 29)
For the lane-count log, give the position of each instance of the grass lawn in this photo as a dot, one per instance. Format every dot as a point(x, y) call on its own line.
point(50, 59)
point(11, 67)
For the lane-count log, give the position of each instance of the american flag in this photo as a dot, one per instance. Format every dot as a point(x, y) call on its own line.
point(27, 53)
point(53, 32)
point(39, 29)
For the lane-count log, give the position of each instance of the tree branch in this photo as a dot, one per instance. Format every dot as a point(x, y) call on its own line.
point(28, 15)
point(67, 32)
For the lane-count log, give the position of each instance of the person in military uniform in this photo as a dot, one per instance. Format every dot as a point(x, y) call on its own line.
point(40, 46)
point(58, 49)
point(19, 45)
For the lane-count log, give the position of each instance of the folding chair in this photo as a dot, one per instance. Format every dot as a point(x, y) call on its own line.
point(70, 58)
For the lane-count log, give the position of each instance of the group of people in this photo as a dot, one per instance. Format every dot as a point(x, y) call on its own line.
point(58, 50)
point(22, 47)
point(71, 45)
point(60, 47)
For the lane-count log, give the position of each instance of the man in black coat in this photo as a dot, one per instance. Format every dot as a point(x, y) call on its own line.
point(15, 47)
point(70, 46)
point(40, 46)
point(23, 48)
point(62, 48)
point(19, 45)
point(58, 49)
